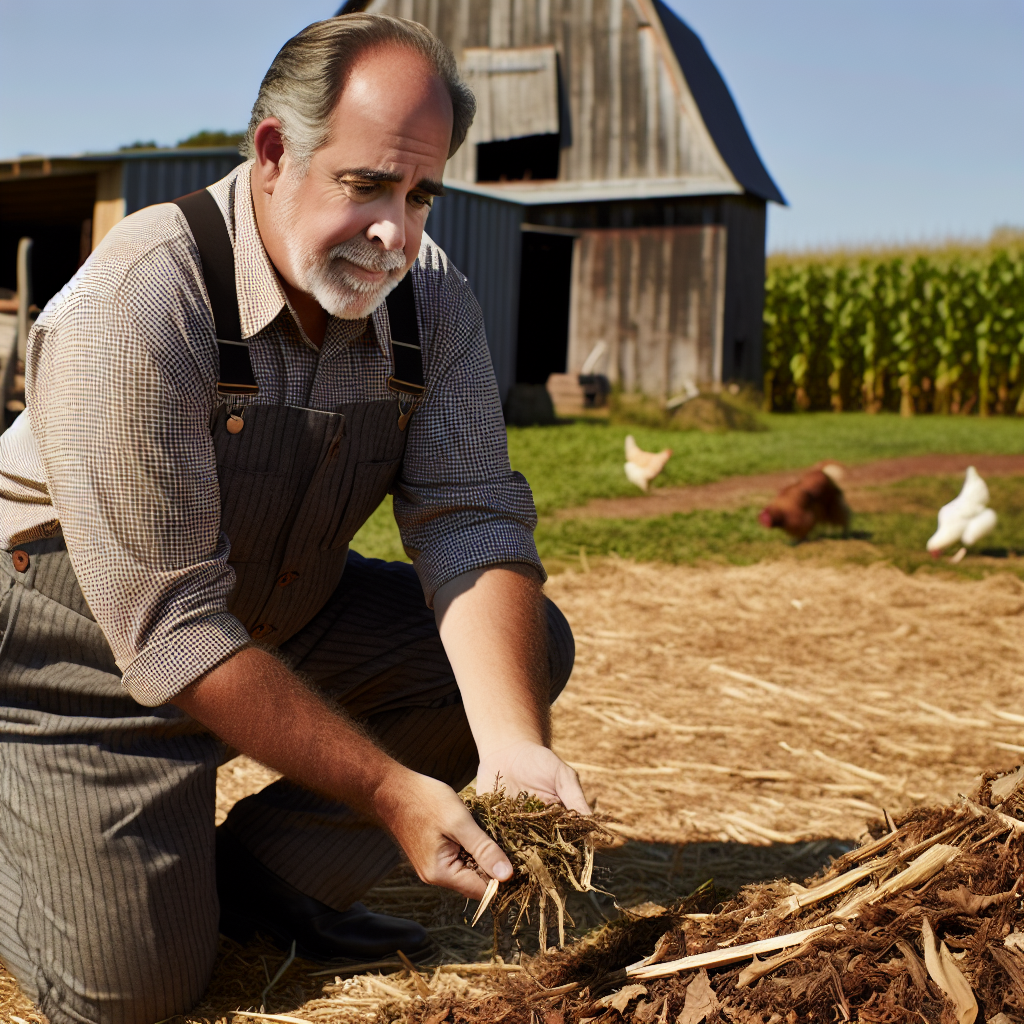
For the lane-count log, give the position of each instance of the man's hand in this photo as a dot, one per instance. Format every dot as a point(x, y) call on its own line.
point(532, 768)
point(433, 826)
point(256, 705)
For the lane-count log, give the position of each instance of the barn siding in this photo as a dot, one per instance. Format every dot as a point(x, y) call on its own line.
point(482, 237)
point(655, 297)
point(630, 110)
point(155, 179)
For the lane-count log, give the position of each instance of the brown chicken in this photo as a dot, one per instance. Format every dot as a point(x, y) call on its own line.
point(815, 498)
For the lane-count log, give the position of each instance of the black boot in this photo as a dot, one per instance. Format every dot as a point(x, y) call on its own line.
point(254, 899)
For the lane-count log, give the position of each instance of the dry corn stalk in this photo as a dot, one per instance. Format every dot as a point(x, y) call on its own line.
point(944, 972)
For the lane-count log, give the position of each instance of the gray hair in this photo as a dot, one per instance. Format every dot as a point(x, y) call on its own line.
point(306, 77)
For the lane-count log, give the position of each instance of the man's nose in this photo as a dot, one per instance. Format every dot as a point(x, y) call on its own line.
point(389, 228)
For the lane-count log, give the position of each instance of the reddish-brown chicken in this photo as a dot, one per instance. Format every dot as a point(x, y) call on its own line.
point(815, 498)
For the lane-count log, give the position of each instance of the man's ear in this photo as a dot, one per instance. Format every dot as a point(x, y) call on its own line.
point(269, 146)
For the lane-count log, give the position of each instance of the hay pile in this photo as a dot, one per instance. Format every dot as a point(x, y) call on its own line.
point(923, 922)
point(787, 701)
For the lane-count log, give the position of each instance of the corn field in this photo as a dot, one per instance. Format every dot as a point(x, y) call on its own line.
point(939, 332)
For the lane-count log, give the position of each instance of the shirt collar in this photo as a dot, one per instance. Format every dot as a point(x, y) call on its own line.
point(260, 295)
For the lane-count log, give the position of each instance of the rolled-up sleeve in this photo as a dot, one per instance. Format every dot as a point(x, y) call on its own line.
point(458, 503)
point(120, 387)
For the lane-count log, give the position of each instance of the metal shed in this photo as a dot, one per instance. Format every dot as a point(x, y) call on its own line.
point(67, 204)
point(481, 236)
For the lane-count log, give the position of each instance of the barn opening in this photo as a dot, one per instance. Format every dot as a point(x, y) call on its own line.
point(544, 297)
point(56, 213)
point(529, 158)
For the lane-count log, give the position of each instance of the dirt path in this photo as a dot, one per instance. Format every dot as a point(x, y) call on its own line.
point(741, 491)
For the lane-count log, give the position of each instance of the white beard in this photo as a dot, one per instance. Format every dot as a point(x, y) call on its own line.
point(326, 276)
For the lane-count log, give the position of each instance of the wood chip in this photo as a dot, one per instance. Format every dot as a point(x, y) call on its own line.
point(720, 957)
point(943, 970)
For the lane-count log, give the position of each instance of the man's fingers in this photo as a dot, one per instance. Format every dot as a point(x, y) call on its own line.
point(465, 881)
point(483, 850)
point(570, 792)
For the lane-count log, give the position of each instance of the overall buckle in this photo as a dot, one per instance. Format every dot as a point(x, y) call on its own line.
point(409, 396)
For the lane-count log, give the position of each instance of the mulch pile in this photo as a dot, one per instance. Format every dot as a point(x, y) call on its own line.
point(922, 922)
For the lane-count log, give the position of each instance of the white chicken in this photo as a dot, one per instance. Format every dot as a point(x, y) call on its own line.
point(966, 519)
point(642, 467)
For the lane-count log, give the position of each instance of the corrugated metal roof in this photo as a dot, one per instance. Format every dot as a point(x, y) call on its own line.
point(133, 154)
point(546, 192)
point(717, 107)
point(159, 181)
point(165, 154)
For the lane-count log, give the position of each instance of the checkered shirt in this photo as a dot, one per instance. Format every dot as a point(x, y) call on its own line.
point(115, 449)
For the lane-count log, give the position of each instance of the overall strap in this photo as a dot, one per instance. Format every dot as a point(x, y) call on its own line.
point(407, 380)
point(217, 256)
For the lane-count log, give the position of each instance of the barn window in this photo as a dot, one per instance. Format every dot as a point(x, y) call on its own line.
point(516, 131)
point(523, 159)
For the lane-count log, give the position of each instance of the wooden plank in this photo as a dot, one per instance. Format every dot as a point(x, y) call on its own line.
point(647, 145)
point(500, 29)
point(613, 158)
point(654, 297)
point(629, 163)
point(598, 32)
point(516, 91)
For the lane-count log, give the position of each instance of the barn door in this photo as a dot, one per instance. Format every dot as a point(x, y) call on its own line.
point(656, 298)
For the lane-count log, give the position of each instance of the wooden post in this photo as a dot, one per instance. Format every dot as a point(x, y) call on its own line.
point(21, 333)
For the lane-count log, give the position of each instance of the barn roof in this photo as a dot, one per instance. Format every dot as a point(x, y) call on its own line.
point(717, 107)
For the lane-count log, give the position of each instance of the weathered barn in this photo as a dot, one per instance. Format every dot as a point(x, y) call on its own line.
point(608, 192)
point(642, 198)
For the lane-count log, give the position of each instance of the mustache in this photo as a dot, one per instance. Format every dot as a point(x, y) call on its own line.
point(365, 254)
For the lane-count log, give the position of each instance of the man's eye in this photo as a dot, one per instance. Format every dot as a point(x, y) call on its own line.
point(364, 188)
point(422, 200)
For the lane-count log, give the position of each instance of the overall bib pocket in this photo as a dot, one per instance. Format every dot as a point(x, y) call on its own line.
point(371, 481)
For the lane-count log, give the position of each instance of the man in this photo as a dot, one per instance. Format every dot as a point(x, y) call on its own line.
point(160, 514)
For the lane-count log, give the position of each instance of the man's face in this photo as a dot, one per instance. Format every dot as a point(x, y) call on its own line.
point(348, 229)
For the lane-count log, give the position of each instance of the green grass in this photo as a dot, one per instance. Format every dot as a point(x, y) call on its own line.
point(379, 537)
point(735, 537)
point(897, 531)
point(569, 464)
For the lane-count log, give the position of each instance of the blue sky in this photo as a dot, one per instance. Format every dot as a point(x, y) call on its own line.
point(881, 120)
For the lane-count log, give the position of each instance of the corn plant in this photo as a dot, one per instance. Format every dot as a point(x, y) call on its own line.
point(937, 332)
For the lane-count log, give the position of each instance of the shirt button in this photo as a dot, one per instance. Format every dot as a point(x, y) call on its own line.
point(287, 577)
point(262, 630)
point(20, 560)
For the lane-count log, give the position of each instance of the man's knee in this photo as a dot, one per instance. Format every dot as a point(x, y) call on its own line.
point(561, 648)
point(148, 979)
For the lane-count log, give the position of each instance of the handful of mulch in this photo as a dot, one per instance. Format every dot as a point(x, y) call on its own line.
point(551, 850)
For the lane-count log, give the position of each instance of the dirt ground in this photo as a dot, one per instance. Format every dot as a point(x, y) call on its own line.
point(784, 701)
point(743, 491)
point(741, 723)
